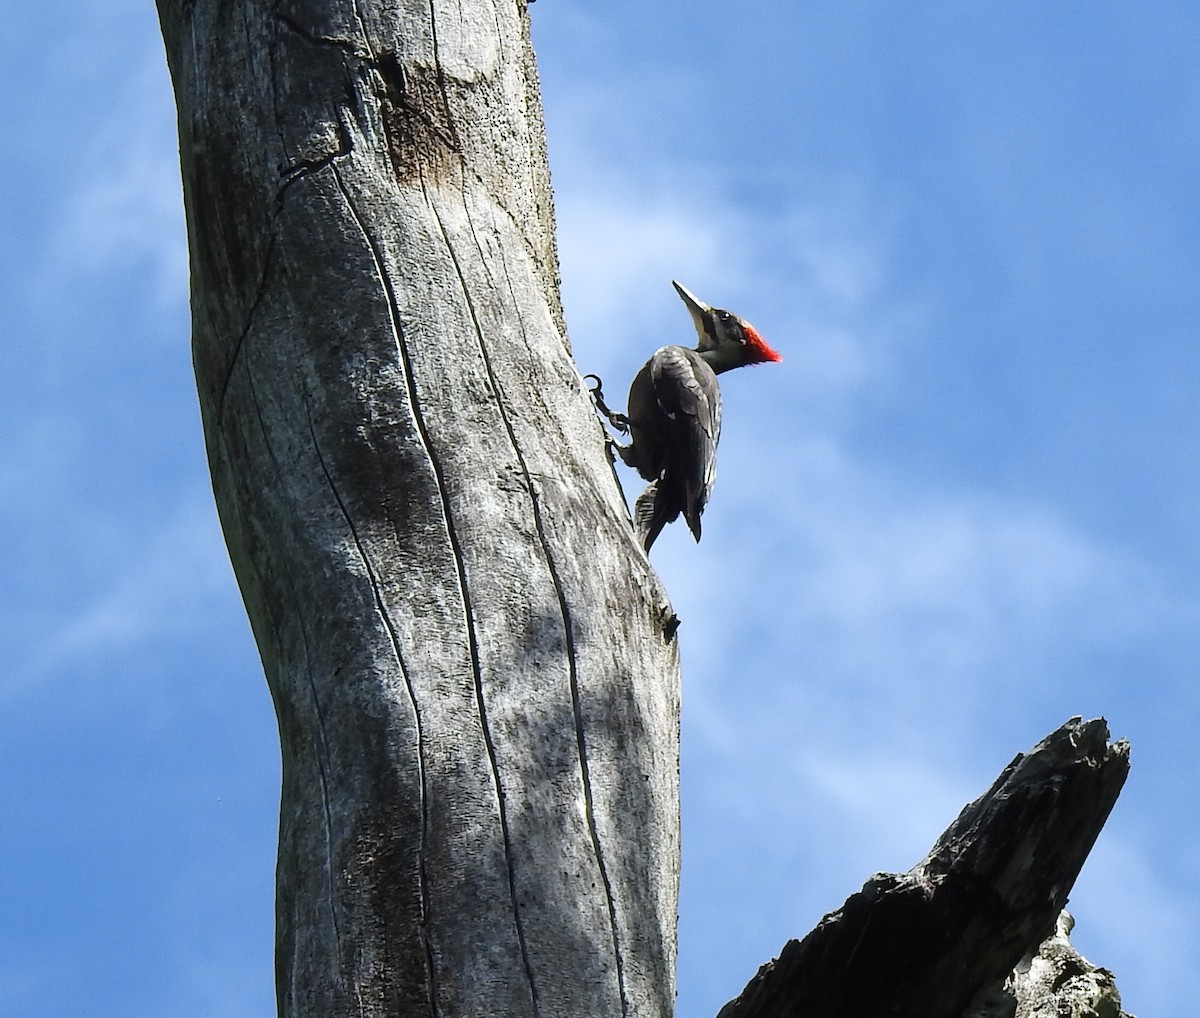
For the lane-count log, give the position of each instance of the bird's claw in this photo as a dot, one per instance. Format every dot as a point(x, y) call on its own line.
point(618, 421)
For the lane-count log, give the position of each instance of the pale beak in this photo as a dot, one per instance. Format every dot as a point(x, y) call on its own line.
point(699, 310)
point(696, 306)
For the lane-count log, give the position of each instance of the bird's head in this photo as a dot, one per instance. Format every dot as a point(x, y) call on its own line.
point(726, 341)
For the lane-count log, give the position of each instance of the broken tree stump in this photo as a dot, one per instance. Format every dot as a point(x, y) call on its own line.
point(922, 944)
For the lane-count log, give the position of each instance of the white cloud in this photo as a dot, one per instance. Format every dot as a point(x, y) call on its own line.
point(813, 279)
point(905, 585)
point(893, 580)
point(36, 460)
point(866, 644)
point(163, 581)
point(885, 606)
point(170, 576)
point(121, 206)
point(1120, 892)
point(618, 260)
point(128, 213)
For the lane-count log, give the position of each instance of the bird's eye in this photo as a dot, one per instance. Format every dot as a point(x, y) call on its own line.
point(725, 316)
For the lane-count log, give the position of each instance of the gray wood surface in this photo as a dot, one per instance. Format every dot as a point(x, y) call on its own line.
point(471, 659)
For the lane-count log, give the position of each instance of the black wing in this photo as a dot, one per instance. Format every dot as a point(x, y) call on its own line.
point(689, 399)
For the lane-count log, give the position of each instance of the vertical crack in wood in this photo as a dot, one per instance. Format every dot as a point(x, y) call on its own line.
point(323, 776)
point(459, 566)
point(259, 293)
point(556, 580)
point(362, 27)
point(394, 639)
point(311, 682)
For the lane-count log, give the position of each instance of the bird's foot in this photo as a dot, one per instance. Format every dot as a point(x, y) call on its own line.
point(618, 421)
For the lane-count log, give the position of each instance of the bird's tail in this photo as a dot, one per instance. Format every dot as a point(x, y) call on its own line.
point(653, 510)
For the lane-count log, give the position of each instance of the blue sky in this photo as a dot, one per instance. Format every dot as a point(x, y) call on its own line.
point(962, 510)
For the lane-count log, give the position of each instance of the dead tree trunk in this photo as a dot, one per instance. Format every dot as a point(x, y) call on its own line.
point(471, 662)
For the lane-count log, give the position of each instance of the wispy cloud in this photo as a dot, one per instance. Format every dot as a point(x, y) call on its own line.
point(891, 578)
point(162, 582)
point(866, 642)
point(127, 214)
point(812, 276)
point(109, 182)
point(125, 211)
point(1120, 892)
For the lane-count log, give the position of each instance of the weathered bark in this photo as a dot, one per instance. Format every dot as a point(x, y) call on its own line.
point(924, 943)
point(471, 661)
point(1055, 981)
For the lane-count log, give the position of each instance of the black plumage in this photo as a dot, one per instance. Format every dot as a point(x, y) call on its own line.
point(674, 417)
point(675, 423)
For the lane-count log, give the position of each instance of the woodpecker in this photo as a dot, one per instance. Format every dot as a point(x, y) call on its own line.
point(674, 416)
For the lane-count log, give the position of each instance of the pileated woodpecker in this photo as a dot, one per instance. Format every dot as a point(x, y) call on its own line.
point(674, 416)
